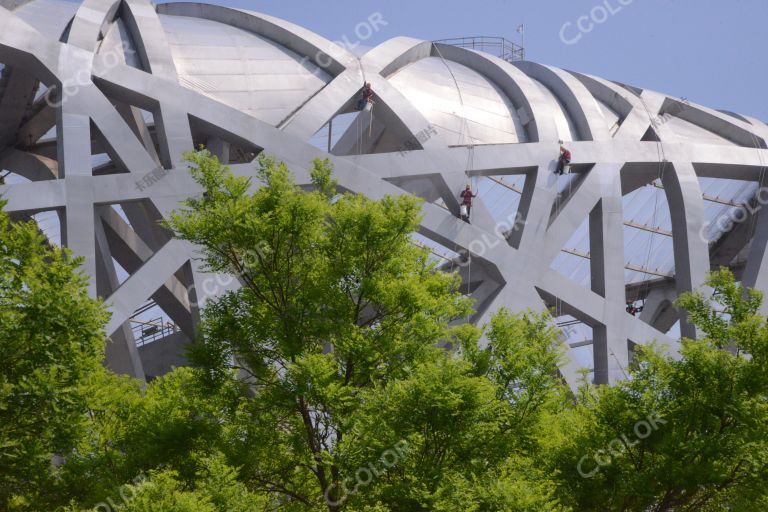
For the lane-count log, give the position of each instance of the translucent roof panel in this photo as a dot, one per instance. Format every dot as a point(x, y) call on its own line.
point(647, 234)
point(501, 195)
point(464, 106)
point(648, 243)
point(573, 260)
point(242, 69)
point(722, 198)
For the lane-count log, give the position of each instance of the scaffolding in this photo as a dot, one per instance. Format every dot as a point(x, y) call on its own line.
point(498, 46)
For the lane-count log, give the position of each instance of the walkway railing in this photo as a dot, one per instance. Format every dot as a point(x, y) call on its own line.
point(498, 46)
point(151, 331)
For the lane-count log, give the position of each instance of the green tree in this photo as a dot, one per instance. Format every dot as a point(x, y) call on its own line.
point(170, 424)
point(215, 488)
point(333, 337)
point(686, 434)
point(319, 384)
point(72, 432)
point(51, 340)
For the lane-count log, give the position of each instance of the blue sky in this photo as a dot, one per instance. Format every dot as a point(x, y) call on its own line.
point(712, 52)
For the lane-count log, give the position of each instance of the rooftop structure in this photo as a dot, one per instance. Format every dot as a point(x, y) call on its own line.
point(498, 46)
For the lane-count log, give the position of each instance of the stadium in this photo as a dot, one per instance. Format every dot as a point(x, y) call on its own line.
point(99, 99)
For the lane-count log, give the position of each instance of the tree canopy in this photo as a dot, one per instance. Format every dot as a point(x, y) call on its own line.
point(341, 376)
point(51, 339)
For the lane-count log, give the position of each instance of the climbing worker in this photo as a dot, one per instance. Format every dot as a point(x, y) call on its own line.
point(565, 159)
point(367, 96)
point(466, 203)
point(632, 309)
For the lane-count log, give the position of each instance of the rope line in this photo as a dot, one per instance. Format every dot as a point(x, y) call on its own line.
point(760, 182)
point(662, 156)
point(468, 142)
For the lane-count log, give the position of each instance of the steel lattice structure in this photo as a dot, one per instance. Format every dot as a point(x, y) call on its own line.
point(141, 84)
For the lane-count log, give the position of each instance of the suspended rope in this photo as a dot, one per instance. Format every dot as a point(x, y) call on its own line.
point(558, 209)
point(458, 90)
point(463, 126)
point(364, 105)
point(760, 182)
point(370, 122)
point(626, 377)
point(362, 69)
point(662, 157)
point(358, 122)
point(465, 138)
point(469, 275)
point(470, 163)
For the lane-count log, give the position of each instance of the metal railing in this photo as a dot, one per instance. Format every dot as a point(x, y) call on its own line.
point(150, 331)
point(498, 46)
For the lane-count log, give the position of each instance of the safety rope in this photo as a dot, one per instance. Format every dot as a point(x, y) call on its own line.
point(558, 209)
point(469, 279)
point(661, 155)
point(370, 121)
point(465, 139)
point(361, 68)
point(458, 90)
point(463, 126)
point(626, 377)
point(760, 182)
point(359, 120)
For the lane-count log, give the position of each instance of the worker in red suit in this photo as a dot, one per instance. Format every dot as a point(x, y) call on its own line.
point(565, 159)
point(367, 96)
point(466, 203)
